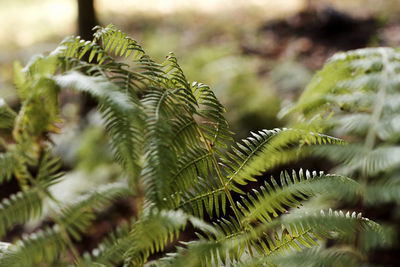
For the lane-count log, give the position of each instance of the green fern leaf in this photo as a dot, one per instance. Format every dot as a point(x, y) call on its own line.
point(119, 112)
point(77, 218)
point(7, 115)
point(44, 246)
point(7, 166)
point(274, 199)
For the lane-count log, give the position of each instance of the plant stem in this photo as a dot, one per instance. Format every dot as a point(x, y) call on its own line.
point(220, 176)
point(377, 112)
point(53, 214)
point(221, 179)
point(372, 131)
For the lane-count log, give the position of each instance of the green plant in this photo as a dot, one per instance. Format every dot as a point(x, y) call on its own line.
point(170, 138)
point(356, 96)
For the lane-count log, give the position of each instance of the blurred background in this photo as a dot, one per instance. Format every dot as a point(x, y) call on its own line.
point(257, 55)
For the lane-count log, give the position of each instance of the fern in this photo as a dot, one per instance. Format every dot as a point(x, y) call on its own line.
point(7, 166)
point(272, 242)
point(118, 111)
point(18, 208)
point(273, 199)
point(312, 257)
point(27, 204)
point(357, 96)
point(7, 115)
point(110, 251)
point(172, 142)
point(43, 246)
point(77, 218)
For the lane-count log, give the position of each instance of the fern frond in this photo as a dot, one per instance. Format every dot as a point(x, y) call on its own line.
point(117, 42)
point(151, 233)
point(351, 81)
point(35, 118)
point(110, 251)
point(7, 115)
point(233, 245)
point(48, 172)
point(19, 208)
point(273, 199)
point(27, 204)
point(212, 249)
point(196, 162)
point(240, 158)
point(185, 132)
point(301, 230)
point(160, 160)
point(206, 195)
point(77, 218)
point(357, 95)
point(232, 250)
point(338, 73)
point(214, 124)
point(356, 157)
point(44, 246)
point(120, 113)
point(177, 79)
point(100, 63)
point(297, 231)
point(330, 223)
point(278, 242)
point(240, 166)
point(239, 244)
point(7, 166)
point(310, 257)
point(266, 149)
point(196, 253)
point(383, 191)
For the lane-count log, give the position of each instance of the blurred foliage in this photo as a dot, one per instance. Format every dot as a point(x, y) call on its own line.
point(93, 149)
point(211, 30)
point(356, 96)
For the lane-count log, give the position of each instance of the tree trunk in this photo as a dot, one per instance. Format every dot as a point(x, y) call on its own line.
point(86, 19)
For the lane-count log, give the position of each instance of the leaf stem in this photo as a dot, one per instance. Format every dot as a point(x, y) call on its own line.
point(220, 176)
point(221, 179)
